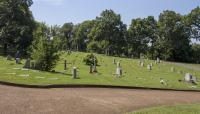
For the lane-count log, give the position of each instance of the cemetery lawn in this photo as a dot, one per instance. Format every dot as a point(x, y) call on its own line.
point(179, 109)
point(133, 73)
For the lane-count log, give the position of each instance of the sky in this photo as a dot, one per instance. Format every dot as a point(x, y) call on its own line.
point(58, 12)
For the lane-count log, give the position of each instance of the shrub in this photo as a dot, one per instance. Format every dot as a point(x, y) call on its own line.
point(89, 59)
point(45, 55)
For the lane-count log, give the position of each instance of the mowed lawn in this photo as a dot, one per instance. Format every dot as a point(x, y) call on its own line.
point(133, 73)
point(179, 109)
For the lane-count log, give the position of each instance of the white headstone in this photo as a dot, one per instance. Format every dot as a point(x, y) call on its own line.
point(149, 67)
point(188, 77)
point(119, 71)
point(142, 64)
point(172, 69)
point(114, 61)
point(158, 60)
point(118, 64)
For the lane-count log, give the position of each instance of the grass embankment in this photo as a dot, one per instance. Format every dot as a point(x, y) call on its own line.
point(179, 109)
point(133, 73)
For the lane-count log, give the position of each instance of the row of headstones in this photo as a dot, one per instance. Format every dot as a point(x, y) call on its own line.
point(119, 68)
point(149, 66)
point(188, 76)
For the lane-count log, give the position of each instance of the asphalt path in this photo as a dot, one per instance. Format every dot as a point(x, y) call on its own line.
point(16, 100)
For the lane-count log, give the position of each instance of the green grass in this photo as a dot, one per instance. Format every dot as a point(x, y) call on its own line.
point(179, 109)
point(133, 74)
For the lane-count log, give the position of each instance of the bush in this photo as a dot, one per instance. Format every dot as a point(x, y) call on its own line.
point(89, 59)
point(45, 55)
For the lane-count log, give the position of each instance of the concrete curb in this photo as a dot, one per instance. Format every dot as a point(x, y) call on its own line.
point(89, 86)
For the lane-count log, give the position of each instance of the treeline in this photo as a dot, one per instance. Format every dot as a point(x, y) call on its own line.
point(170, 37)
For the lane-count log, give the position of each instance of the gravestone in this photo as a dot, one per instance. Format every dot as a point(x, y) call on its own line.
point(27, 63)
point(114, 61)
point(142, 64)
point(91, 68)
point(151, 64)
point(172, 69)
point(94, 68)
point(132, 56)
point(118, 72)
point(118, 64)
point(9, 58)
point(74, 73)
point(17, 60)
point(188, 77)
point(163, 82)
point(149, 67)
point(65, 65)
point(158, 60)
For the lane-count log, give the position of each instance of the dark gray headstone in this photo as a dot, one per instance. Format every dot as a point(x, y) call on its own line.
point(65, 65)
point(74, 73)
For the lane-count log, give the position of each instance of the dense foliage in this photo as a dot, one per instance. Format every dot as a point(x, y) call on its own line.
point(16, 24)
point(90, 59)
point(170, 37)
point(44, 50)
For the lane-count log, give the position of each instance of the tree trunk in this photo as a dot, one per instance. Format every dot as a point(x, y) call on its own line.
point(5, 48)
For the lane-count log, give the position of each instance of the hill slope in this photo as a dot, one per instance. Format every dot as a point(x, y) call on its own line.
point(133, 73)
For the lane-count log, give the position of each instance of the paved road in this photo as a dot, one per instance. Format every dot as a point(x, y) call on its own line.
point(14, 100)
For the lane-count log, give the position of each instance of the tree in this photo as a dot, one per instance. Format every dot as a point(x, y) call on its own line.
point(81, 35)
point(193, 20)
point(138, 37)
point(44, 50)
point(67, 35)
point(174, 41)
point(109, 32)
point(151, 34)
point(196, 53)
point(16, 24)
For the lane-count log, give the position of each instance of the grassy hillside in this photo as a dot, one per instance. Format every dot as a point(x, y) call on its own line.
point(133, 73)
point(179, 109)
